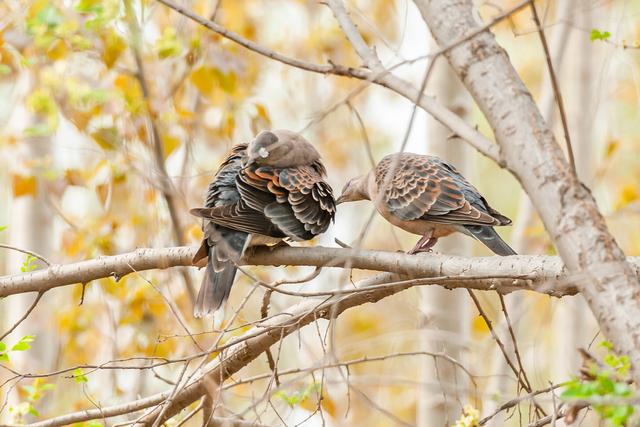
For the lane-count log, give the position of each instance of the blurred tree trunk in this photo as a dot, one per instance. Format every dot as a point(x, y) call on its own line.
point(30, 227)
point(445, 313)
point(574, 324)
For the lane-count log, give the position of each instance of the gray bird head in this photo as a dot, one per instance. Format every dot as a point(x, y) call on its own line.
point(354, 190)
point(281, 148)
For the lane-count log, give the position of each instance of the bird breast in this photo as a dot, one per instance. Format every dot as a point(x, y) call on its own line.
point(417, 226)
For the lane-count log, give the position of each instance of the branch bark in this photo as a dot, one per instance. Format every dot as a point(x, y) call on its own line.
point(532, 154)
point(543, 274)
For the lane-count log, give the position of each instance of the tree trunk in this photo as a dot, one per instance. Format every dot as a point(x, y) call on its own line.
point(445, 313)
point(530, 151)
point(30, 226)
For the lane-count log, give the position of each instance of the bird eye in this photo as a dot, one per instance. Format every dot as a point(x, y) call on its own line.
point(263, 152)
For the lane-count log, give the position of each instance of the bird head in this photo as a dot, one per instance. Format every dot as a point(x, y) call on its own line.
point(355, 189)
point(281, 148)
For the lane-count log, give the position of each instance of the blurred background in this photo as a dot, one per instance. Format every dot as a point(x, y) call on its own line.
point(114, 116)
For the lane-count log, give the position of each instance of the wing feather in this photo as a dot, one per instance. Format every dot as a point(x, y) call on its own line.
point(428, 188)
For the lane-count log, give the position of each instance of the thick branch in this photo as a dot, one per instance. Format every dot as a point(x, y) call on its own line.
point(542, 274)
point(531, 152)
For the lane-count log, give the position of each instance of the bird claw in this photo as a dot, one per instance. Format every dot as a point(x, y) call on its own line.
point(280, 244)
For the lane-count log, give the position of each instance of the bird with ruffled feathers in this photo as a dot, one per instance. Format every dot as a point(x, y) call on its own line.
point(269, 190)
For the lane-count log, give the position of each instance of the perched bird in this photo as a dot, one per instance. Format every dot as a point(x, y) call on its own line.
point(427, 196)
point(268, 190)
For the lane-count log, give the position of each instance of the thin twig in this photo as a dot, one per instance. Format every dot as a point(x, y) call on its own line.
point(365, 135)
point(516, 401)
point(514, 341)
point(24, 251)
point(26, 314)
point(166, 186)
point(521, 379)
point(556, 88)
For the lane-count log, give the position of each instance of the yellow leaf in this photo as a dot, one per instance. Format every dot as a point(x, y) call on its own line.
point(168, 44)
point(106, 138)
point(149, 195)
point(213, 83)
point(102, 191)
point(23, 185)
point(169, 144)
point(612, 147)
point(203, 79)
point(328, 404)
point(57, 50)
point(114, 45)
point(72, 243)
point(131, 92)
point(310, 404)
point(479, 327)
point(228, 126)
point(74, 177)
point(628, 195)
point(195, 232)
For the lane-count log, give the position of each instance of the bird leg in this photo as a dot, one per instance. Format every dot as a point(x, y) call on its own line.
point(425, 244)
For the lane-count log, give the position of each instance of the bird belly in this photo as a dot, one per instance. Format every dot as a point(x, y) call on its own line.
point(419, 226)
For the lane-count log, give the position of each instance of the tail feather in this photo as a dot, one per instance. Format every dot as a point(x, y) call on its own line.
point(216, 286)
point(224, 248)
point(491, 239)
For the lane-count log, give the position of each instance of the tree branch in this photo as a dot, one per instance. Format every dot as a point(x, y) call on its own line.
point(382, 78)
point(543, 274)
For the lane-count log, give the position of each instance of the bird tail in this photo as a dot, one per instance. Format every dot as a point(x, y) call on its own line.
point(223, 248)
point(216, 285)
point(490, 238)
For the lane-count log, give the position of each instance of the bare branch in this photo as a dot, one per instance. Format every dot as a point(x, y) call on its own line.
point(26, 314)
point(556, 87)
point(24, 251)
point(165, 184)
point(383, 78)
point(544, 274)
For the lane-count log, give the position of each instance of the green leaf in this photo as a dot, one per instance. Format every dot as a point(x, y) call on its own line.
point(3, 347)
point(4, 357)
point(23, 344)
point(29, 264)
point(3, 227)
point(40, 129)
point(79, 377)
point(33, 411)
point(600, 35)
point(50, 16)
point(168, 44)
point(621, 389)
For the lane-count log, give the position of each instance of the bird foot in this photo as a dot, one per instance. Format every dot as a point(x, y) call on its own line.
point(425, 244)
point(280, 244)
point(417, 250)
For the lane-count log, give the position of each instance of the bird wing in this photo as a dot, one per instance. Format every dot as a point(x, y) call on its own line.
point(295, 199)
point(428, 188)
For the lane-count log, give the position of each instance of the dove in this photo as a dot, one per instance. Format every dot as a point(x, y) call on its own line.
point(267, 191)
point(427, 196)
